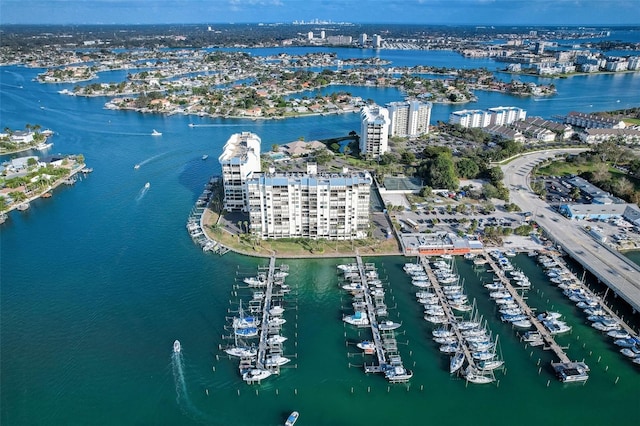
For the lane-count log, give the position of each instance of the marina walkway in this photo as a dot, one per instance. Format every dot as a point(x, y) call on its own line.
point(452, 320)
point(547, 338)
point(264, 326)
point(371, 312)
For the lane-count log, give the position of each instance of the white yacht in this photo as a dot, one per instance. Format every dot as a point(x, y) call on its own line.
point(276, 361)
point(255, 375)
point(358, 319)
point(156, 133)
point(176, 347)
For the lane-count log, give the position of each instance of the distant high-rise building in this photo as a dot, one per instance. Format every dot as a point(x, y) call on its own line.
point(362, 40)
point(239, 160)
point(374, 131)
point(539, 47)
point(376, 42)
point(409, 118)
point(310, 35)
point(322, 34)
point(484, 118)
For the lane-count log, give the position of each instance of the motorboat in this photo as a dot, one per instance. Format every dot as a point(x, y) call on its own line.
point(626, 343)
point(490, 364)
point(549, 316)
point(525, 323)
point(259, 281)
point(388, 325)
point(255, 375)
point(23, 206)
point(292, 419)
point(176, 347)
point(556, 327)
point(367, 346)
point(242, 351)
point(276, 360)
point(359, 319)
point(246, 332)
point(397, 373)
point(156, 133)
point(276, 322)
point(147, 185)
point(136, 167)
point(204, 157)
point(276, 339)
point(276, 311)
point(571, 371)
point(618, 334)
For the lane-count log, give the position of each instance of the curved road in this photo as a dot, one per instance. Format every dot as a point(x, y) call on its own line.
point(617, 272)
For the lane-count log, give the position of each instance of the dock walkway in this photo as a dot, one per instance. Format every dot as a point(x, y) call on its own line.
point(371, 312)
point(264, 329)
point(451, 318)
point(547, 338)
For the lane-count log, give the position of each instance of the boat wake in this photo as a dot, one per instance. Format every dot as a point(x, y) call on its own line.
point(182, 394)
point(143, 192)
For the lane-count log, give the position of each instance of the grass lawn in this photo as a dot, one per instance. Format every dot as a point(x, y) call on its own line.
point(299, 247)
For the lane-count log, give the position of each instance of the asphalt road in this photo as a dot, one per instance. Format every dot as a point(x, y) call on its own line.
point(617, 272)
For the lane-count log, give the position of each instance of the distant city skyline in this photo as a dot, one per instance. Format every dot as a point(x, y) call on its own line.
point(211, 12)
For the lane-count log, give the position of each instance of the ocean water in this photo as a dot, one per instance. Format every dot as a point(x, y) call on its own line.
point(98, 281)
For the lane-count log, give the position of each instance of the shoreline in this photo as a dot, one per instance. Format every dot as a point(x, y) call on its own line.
point(51, 187)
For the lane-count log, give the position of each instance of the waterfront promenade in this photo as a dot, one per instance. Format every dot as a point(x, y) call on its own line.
point(611, 268)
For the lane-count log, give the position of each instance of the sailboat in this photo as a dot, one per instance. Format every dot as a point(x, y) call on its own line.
point(456, 362)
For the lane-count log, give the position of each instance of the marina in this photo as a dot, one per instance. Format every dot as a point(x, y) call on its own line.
point(566, 369)
point(262, 322)
point(163, 286)
point(369, 303)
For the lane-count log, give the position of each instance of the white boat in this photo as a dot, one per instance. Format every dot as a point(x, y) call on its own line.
point(204, 157)
point(23, 206)
point(259, 281)
point(246, 332)
point(147, 185)
point(388, 325)
point(397, 374)
point(292, 419)
point(358, 319)
point(276, 361)
point(490, 364)
point(276, 311)
point(548, 315)
point(456, 362)
point(276, 322)
point(276, 339)
point(43, 146)
point(156, 133)
point(255, 375)
point(176, 347)
point(522, 324)
point(367, 346)
point(571, 371)
point(136, 167)
point(618, 334)
point(242, 351)
point(472, 375)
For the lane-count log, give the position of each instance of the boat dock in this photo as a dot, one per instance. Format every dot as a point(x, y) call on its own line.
point(373, 321)
point(264, 332)
point(546, 336)
point(369, 296)
point(562, 265)
point(451, 318)
point(195, 224)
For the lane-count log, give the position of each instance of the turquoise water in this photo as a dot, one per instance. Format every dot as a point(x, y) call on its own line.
point(99, 280)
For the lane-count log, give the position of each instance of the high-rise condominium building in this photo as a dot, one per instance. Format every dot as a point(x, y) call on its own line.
point(374, 131)
point(409, 118)
point(309, 205)
point(239, 160)
point(489, 117)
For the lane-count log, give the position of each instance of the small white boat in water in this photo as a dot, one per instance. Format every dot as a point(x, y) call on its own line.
point(255, 375)
point(156, 133)
point(136, 167)
point(242, 352)
point(456, 362)
point(147, 185)
point(176, 347)
point(292, 419)
point(204, 157)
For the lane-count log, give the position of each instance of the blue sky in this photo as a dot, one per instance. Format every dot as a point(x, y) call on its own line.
point(488, 12)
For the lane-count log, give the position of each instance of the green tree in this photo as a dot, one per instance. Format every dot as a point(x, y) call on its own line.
point(467, 168)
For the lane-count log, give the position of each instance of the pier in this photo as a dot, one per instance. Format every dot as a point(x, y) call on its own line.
point(547, 338)
point(373, 321)
point(264, 332)
point(451, 318)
